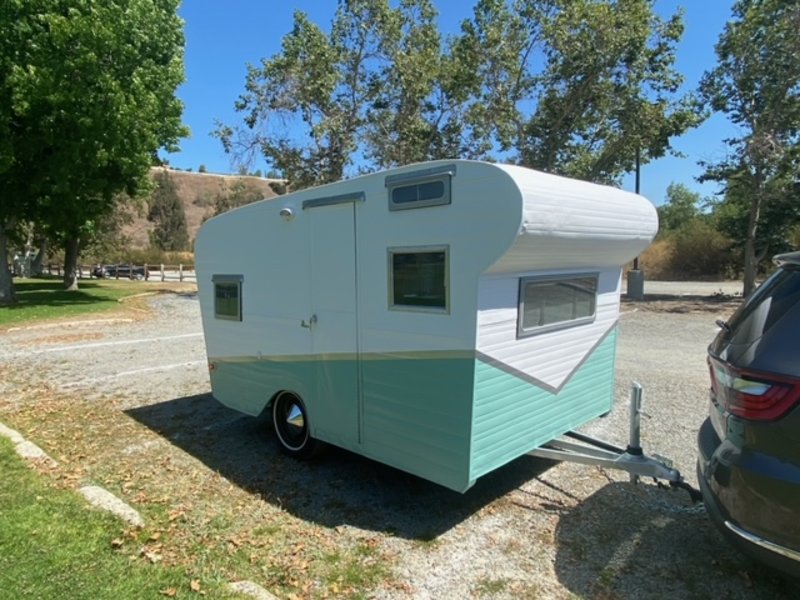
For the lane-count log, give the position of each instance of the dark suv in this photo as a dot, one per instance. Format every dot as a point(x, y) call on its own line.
point(749, 447)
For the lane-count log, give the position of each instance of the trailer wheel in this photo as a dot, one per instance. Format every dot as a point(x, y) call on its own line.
point(290, 419)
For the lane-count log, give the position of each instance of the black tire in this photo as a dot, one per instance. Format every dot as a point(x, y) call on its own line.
point(290, 420)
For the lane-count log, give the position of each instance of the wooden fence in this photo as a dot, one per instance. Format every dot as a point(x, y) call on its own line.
point(162, 272)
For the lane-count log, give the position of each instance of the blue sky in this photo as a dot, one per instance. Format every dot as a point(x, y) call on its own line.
point(222, 37)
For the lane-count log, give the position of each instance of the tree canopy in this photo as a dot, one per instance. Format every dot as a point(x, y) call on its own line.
point(566, 86)
point(87, 98)
point(366, 89)
point(575, 87)
point(680, 208)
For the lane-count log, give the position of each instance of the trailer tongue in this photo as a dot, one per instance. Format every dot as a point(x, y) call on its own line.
point(586, 450)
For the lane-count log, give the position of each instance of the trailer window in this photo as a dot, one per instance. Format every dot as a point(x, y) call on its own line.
point(550, 303)
point(417, 195)
point(418, 189)
point(418, 279)
point(228, 297)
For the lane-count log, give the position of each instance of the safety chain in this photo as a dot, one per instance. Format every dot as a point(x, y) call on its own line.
point(696, 508)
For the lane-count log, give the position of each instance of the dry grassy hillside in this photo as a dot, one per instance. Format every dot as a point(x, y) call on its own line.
point(198, 192)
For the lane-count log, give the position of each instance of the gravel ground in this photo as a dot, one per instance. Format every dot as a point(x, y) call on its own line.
point(533, 529)
point(137, 358)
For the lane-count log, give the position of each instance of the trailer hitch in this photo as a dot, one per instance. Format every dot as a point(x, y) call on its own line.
point(694, 494)
point(584, 449)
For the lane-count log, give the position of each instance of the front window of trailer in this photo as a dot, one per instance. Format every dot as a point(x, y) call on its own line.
point(551, 303)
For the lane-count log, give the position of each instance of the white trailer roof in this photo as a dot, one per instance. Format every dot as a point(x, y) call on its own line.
point(567, 223)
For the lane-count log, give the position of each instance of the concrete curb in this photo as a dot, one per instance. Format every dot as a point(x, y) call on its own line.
point(105, 500)
point(9, 433)
point(248, 588)
point(27, 450)
point(96, 496)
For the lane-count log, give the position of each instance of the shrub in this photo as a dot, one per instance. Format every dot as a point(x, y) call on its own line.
point(695, 251)
point(700, 251)
point(655, 260)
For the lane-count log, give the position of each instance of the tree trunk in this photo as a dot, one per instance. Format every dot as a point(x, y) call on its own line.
point(750, 268)
point(36, 265)
point(7, 295)
point(750, 259)
point(71, 264)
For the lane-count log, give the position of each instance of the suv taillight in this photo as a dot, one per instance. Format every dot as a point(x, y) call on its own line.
point(752, 395)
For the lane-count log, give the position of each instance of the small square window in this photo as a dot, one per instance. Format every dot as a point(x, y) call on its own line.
point(228, 297)
point(418, 279)
point(550, 303)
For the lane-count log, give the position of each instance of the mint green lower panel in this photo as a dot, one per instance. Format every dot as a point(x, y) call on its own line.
point(328, 389)
point(417, 416)
point(512, 416)
point(416, 413)
point(248, 384)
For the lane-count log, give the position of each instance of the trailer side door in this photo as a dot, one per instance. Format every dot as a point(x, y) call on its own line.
point(335, 414)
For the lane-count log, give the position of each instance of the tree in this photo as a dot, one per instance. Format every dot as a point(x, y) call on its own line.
point(107, 237)
point(87, 99)
point(778, 220)
point(681, 207)
point(756, 84)
point(575, 87)
point(239, 195)
point(370, 88)
point(167, 212)
point(690, 240)
point(17, 207)
point(279, 187)
point(417, 112)
point(301, 85)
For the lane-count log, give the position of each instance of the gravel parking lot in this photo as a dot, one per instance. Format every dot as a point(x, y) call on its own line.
point(533, 529)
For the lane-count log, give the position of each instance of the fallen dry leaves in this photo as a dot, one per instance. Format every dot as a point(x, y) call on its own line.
point(193, 515)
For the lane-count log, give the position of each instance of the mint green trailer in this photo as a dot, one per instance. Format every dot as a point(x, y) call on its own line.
point(444, 318)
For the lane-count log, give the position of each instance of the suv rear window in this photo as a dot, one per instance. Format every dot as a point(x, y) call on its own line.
point(766, 307)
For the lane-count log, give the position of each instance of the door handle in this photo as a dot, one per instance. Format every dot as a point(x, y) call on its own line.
point(311, 321)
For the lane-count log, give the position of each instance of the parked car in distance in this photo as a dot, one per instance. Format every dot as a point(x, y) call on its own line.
point(749, 446)
point(120, 272)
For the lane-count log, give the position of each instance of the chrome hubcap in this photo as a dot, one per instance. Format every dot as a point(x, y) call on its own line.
point(295, 420)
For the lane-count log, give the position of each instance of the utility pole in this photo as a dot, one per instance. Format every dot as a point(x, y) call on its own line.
point(635, 275)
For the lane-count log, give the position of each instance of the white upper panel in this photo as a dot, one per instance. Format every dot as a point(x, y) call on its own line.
point(549, 358)
point(503, 220)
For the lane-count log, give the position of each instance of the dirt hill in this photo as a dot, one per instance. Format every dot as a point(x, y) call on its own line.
point(198, 192)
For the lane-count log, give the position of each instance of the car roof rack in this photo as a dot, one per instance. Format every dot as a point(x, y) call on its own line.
point(790, 258)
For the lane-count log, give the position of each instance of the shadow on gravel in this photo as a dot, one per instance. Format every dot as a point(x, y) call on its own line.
point(629, 541)
point(339, 488)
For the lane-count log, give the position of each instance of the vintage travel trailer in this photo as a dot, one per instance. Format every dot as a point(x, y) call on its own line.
point(444, 318)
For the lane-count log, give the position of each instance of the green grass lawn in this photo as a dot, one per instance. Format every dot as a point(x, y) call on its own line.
point(52, 545)
point(41, 299)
